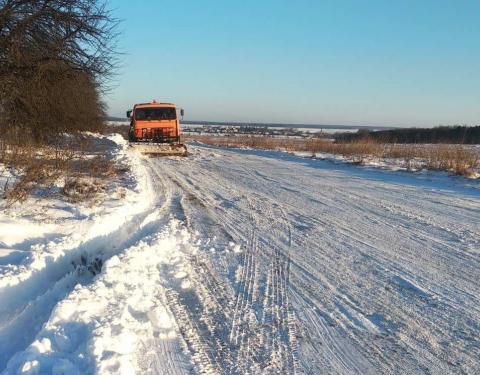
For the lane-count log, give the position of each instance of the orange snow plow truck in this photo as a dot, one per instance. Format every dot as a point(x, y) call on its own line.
point(155, 129)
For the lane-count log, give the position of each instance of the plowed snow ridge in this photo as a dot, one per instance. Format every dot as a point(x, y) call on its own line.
point(265, 263)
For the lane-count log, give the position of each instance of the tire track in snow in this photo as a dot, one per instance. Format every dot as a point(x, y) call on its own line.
point(245, 334)
point(354, 266)
point(198, 310)
point(264, 328)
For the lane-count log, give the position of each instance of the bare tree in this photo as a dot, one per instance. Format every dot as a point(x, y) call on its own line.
point(56, 57)
point(57, 100)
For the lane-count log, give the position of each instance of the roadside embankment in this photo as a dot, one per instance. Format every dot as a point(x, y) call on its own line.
point(462, 160)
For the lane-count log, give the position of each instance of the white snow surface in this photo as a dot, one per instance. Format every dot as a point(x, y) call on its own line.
point(392, 164)
point(99, 327)
point(248, 262)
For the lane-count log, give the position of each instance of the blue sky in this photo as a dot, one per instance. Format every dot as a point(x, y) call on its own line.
point(407, 63)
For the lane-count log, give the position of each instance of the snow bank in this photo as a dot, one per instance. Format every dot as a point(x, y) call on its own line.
point(384, 163)
point(48, 245)
point(100, 328)
point(92, 223)
point(390, 164)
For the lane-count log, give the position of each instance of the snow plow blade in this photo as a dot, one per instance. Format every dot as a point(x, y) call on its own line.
point(160, 149)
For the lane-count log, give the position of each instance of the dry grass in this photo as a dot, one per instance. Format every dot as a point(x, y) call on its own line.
point(455, 158)
point(458, 159)
point(262, 143)
point(43, 166)
point(36, 173)
point(39, 167)
point(120, 129)
point(313, 145)
point(78, 189)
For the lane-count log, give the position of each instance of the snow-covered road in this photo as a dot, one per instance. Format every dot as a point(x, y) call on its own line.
point(266, 263)
point(342, 270)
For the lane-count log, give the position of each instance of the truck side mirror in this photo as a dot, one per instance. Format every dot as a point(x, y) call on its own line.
point(129, 114)
point(182, 112)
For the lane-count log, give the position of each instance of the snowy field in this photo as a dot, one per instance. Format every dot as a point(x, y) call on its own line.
point(391, 163)
point(246, 262)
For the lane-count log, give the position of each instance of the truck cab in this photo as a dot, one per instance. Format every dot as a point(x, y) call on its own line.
point(154, 122)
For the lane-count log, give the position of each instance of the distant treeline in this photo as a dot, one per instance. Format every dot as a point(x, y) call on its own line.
point(441, 134)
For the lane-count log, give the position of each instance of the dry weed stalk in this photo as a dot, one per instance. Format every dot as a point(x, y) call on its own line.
point(455, 158)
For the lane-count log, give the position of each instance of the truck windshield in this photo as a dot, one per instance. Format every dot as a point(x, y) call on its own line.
point(146, 114)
